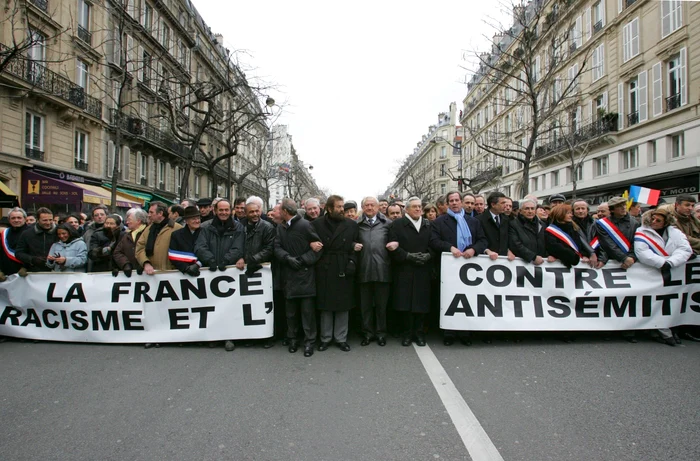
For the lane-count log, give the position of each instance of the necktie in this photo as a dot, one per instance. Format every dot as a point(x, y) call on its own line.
point(371, 221)
point(498, 220)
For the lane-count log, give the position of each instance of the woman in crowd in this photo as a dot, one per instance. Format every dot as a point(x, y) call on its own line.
point(69, 254)
point(564, 240)
point(658, 243)
point(430, 212)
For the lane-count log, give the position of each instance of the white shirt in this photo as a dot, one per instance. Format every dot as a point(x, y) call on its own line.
point(416, 223)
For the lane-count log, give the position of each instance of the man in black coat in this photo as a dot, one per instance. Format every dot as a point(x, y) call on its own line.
point(35, 242)
point(495, 226)
point(446, 238)
point(259, 239)
point(296, 258)
point(102, 244)
point(409, 244)
point(526, 234)
point(335, 272)
point(205, 209)
point(9, 262)
point(181, 252)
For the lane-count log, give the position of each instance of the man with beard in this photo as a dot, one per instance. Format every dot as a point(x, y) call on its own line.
point(394, 212)
point(9, 262)
point(221, 242)
point(99, 214)
point(205, 209)
point(35, 242)
point(181, 251)
point(313, 209)
point(479, 204)
point(102, 244)
point(383, 205)
point(335, 272)
point(296, 258)
point(468, 203)
point(239, 209)
point(410, 290)
point(152, 248)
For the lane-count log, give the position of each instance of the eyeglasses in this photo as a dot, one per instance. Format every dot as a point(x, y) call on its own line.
point(657, 219)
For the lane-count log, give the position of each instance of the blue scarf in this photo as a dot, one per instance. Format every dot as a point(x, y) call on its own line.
point(464, 235)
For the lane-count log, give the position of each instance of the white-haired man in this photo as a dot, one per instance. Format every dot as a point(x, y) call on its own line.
point(312, 206)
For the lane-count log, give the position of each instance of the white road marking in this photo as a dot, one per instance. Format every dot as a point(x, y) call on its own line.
point(474, 436)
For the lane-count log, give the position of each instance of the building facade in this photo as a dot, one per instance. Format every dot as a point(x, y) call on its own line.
point(629, 114)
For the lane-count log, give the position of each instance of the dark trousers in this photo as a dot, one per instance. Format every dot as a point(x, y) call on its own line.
point(307, 309)
point(279, 315)
point(374, 297)
point(413, 323)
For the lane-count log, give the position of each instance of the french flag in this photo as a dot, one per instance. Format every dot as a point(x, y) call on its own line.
point(644, 195)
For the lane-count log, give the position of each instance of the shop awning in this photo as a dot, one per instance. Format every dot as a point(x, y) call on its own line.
point(101, 196)
point(144, 196)
point(8, 198)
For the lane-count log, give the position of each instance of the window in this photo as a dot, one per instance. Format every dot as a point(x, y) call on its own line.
point(84, 15)
point(633, 114)
point(37, 50)
point(147, 16)
point(600, 166)
point(178, 180)
point(630, 40)
point(601, 104)
point(675, 81)
point(443, 189)
point(574, 118)
point(81, 150)
point(143, 168)
point(598, 68)
point(197, 180)
point(82, 73)
point(555, 178)
point(598, 16)
point(166, 37)
point(677, 150)
point(651, 149)
point(146, 69)
point(671, 17)
point(579, 173)
point(161, 175)
point(34, 134)
point(443, 152)
point(533, 183)
point(443, 171)
point(630, 158)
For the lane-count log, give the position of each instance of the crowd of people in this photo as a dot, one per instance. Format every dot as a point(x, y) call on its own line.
point(330, 257)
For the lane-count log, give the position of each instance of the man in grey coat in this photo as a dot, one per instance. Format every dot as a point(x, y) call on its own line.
point(374, 276)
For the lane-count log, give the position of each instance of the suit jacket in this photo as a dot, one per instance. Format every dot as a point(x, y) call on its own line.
point(444, 234)
point(496, 236)
point(410, 282)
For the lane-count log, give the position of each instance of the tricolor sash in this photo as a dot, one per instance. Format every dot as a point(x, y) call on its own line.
point(182, 256)
point(564, 237)
point(595, 244)
point(655, 247)
point(615, 234)
point(6, 247)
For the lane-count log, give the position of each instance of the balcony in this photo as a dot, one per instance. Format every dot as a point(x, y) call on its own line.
point(584, 134)
point(633, 118)
point(597, 26)
point(84, 35)
point(43, 5)
point(80, 165)
point(572, 47)
point(34, 154)
point(149, 133)
point(486, 175)
point(143, 181)
point(44, 80)
point(629, 3)
point(673, 102)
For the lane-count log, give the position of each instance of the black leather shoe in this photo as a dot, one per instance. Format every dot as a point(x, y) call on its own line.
point(148, 345)
point(406, 342)
point(323, 346)
point(381, 341)
point(308, 351)
point(345, 347)
point(465, 341)
point(420, 341)
point(365, 341)
point(268, 343)
point(691, 337)
point(487, 341)
point(293, 347)
point(448, 341)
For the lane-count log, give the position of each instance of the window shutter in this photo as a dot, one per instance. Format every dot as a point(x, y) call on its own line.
point(590, 111)
point(168, 181)
point(605, 100)
point(537, 68)
point(665, 18)
point(126, 163)
point(110, 159)
point(642, 95)
point(155, 21)
point(626, 43)
point(602, 11)
point(601, 58)
point(578, 117)
point(139, 172)
point(683, 72)
point(620, 105)
point(656, 90)
point(619, 6)
point(579, 32)
point(588, 25)
point(151, 172)
point(129, 54)
point(634, 37)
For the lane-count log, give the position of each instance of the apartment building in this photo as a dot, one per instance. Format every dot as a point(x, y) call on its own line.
point(139, 88)
point(617, 101)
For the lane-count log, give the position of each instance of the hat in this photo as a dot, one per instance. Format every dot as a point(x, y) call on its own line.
point(191, 212)
point(556, 197)
point(615, 201)
point(350, 205)
point(204, 202)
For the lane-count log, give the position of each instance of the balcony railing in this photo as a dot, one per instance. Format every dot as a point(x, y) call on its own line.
point(633, 118)
point(583, 134)
point(572, 47)
point(41, 4)
point(143, 181)
point(48, 81)
point(597, 26)
point(80, 165)
point(486, 175)
point(673, 102)
point(146, 131)
point(34, 154)
point(84, 35)
point(629, 2)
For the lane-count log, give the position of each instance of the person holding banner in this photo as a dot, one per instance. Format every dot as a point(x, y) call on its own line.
point(181, 252)
point(526, 234)
point(35, 242)
point(69, 254)
point(9, 262)
point(616, 233)
point(495, 225)
point(588, 228)
point(564, 240)
point(657, 243)
point(412, 271)
point(461, 235)
point(152, 248)
point(102, 244)
point(125, 251)
point(687, 222)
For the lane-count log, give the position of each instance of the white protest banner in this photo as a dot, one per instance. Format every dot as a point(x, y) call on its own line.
point(502, 295)
point(165, 307)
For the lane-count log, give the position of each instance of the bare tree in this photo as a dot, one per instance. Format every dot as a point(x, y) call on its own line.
point(526, 75)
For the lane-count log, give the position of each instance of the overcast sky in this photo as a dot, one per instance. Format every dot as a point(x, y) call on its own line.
point(363, 80)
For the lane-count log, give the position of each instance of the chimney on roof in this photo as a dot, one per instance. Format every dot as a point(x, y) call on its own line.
point(219, 39)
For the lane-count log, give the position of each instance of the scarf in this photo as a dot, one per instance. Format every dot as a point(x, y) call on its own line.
point(416, 222)
point(464, 235)
point(152, 235)
point(221, 226)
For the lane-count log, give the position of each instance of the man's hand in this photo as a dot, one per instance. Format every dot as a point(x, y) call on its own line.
point(149, 269)
point(391, 246)
point(538, 260)
point(551, 259)
point(240, 264)
point(455, 252)
point(492, 255)
point(192, 270)
point(511, 256)
point(252, 268)
point(469, 253)
point(593, 261)
point(316, 246)
point(629, 261)
point(358, 247)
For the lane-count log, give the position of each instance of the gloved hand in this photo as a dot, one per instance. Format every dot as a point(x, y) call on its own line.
point(38, 261)
point(350, 268)
point(106, 251)
point(3, 277)
point(252, 268)
point(115, 272)
point(139, 271)
point(192, 270)
point(665, 267)
point(222, 267)
point(127, 269)
point(212, 266)
point(427, 256)
point(415, 258)
point(22, 272)
point(294, 263)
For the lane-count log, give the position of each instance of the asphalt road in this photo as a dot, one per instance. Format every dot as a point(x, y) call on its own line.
point(537, 400)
